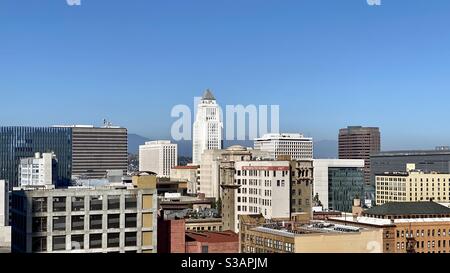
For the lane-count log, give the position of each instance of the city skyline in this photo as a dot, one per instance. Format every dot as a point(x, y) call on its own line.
point(340, 58)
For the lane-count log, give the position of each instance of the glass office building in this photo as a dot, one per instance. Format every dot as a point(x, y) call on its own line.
point(21, 142)
point(344, 185)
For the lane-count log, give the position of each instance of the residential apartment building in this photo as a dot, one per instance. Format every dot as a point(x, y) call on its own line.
point(158, 156)
point(297, 146)
point(412, 185)
point(337, 182)
point(114, 218)
point(207, 128)
point(38, 171)
point(356, 142)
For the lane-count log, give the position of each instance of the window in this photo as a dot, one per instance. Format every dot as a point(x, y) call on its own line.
point(39, 244)
point(130, 220)
point(77, 241)
point(39, 224)
point(113, 202)
point(113, 220)
point(95, 241)
point(96, 221)
point(78, 222)
point(113, 239)
point(96, 202)
point(59, 204)
point(59, 223)
point(205, 249)
point(59, 243)
point(39, 204)
point(77, 203)
point(130, 238)
point(130, 201)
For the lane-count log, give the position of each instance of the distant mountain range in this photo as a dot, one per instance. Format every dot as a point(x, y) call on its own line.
point(322, 149)
point(134, 141)
point(326, 149)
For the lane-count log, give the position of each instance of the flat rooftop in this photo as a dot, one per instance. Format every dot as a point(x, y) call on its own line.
point(409, 208)
point(212, 237)
point(315, 227)
point(411, 153)
point(387, 222)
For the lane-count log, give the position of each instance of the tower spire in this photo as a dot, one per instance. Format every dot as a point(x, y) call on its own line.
point(208, 95)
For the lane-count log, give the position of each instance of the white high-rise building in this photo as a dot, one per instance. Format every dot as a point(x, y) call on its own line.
point(39, 170)
point(207, 132)
point(158, 156)
point(264, 189)
point(297, 146)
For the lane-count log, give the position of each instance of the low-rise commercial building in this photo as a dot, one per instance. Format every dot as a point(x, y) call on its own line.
point(408, 227)
point(175, 237)
point(212, 242)
point(314, 237)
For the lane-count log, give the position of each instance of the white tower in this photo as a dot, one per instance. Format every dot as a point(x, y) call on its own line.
point(207, 133)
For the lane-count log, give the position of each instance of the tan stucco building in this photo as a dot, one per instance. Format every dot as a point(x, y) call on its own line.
point(315, 237)
point(412, 185)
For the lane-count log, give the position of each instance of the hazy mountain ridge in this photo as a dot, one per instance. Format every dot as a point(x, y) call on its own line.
point(322, 148)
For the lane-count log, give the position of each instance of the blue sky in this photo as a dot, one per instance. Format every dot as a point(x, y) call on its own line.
point(327, 63)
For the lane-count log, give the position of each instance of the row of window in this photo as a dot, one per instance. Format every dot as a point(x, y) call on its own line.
point(203, 228)
point(39, 244)
point(395, 198)
point(270, 243)
point(39, 204)
point(420, 233)
point(264, 173)
point(421, 244)
point(39, 224)
point(397, 179)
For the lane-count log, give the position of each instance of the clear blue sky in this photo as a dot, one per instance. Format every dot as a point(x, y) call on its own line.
point(327, 63)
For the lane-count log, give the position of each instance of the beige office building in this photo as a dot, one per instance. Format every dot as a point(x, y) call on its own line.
point(314, 237)
point(412, 186)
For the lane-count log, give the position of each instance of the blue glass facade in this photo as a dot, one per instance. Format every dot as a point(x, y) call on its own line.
point(344, 185)
point(20, 142)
